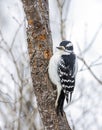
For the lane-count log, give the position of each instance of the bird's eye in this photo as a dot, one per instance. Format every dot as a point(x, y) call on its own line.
point(69, 48)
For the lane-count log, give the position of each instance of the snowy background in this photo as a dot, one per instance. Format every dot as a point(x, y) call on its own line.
point(83, 26)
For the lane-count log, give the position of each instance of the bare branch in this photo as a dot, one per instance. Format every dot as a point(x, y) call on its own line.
point(90, 70)
point(93, 39)
point(93, 64)
point(17, 31)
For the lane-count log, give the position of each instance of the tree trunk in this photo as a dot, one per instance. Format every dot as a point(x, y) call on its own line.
point(39, 45)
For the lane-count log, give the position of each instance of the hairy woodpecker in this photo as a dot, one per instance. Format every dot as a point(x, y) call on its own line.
point(62, 71)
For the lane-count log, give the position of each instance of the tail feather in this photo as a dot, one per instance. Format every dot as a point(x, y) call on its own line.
point(60, 103)
point(68, 96)
point(61, 99)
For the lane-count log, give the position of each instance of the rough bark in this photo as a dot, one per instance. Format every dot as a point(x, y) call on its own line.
point(39, 45)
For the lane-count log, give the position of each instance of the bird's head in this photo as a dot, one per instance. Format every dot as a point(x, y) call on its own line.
point(66, 46)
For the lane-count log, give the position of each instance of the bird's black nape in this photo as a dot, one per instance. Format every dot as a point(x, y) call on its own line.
point(59, 108)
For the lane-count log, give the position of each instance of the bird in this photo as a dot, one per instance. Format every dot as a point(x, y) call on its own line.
point(62, 70)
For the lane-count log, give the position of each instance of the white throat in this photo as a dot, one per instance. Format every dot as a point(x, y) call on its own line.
point(64, 52)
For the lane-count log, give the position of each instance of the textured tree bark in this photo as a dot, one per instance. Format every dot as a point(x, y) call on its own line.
point(39, 45)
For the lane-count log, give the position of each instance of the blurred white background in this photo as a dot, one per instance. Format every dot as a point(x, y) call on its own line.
point(79, 21)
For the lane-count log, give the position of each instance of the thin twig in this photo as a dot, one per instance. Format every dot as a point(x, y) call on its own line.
point(16, 32)
point(90, 70)
point(91, 66)
point(93, 39)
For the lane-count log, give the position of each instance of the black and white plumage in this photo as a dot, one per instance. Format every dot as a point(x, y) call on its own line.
point(62, 71)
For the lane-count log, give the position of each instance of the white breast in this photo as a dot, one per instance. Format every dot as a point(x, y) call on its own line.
point(53, 66)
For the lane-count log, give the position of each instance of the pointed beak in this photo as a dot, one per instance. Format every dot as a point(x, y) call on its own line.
point(60, 47)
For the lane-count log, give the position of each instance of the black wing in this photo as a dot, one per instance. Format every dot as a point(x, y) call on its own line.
point(66, 71)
